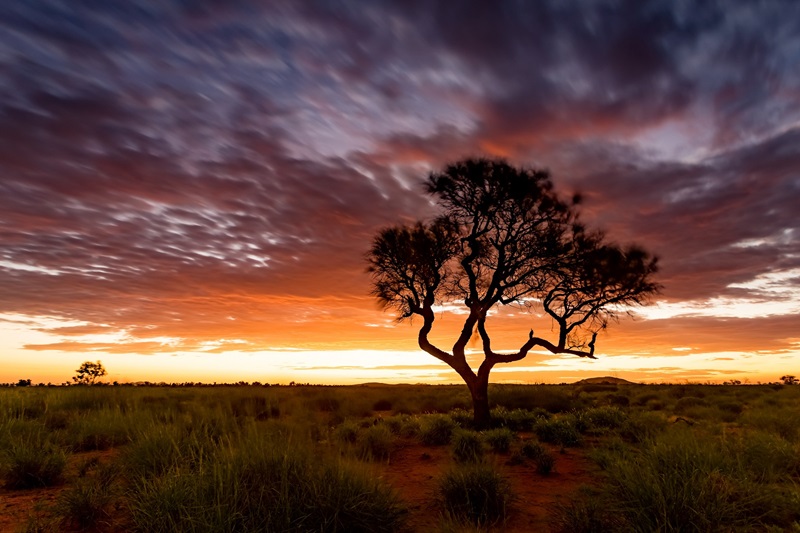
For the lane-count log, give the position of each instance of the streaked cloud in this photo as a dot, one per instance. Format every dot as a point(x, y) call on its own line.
point(206, 177)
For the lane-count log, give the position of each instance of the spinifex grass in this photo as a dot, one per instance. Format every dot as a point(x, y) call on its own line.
point(475, 493)
point(260, 484)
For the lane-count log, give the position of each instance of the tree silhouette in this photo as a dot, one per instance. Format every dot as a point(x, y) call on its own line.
point(505, 237)
point(789, 380)
point(88, 373)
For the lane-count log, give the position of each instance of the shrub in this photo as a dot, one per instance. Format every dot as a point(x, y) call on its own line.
point(499, 440)
point(466, 446)
point(476, 494)
point(437, 430)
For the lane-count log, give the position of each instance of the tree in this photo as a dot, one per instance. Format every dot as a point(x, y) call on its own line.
point(88, 373)
point(789, 380)
point(24, 383)
point(504, 237)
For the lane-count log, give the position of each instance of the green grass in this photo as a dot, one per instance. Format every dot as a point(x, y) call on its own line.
point(309, 458)
point(466, 447)
point(437, 430)
point(475, 494)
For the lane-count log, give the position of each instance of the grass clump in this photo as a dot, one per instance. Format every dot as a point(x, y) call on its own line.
point(475, 494)
point(684, 482)
point(28, 465)
point(346, 432)
point(88, 503)
point(517, 419)
point(262, 485)
point(561, 431)
point(466, 447)
point(375, 443)
point(437, 430)
point(499, 440)
point(545, 461)
point(587, 512)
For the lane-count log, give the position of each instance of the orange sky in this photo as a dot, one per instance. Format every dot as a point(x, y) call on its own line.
point(187, 194)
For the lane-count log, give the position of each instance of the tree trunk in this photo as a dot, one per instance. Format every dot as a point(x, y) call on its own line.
point(479, 389)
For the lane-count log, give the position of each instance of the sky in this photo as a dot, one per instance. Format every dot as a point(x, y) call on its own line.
point(188, 188)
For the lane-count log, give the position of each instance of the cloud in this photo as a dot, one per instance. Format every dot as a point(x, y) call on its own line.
point(217, 170)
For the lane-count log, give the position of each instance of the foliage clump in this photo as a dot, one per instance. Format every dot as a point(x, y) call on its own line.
point(476, 494)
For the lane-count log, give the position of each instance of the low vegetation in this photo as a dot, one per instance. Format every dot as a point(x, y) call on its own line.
point(308, 458)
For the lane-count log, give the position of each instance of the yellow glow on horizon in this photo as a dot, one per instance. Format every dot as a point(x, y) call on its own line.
point(283, 364)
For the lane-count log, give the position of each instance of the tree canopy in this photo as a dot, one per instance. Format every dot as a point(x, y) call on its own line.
point(88, 373)
point(505, 237)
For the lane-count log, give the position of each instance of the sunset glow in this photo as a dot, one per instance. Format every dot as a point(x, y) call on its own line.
point(187, 193)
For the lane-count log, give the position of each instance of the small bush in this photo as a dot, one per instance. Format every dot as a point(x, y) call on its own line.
point(476, 494)
point(437, 430)
point(499, 440)
point(466, 447)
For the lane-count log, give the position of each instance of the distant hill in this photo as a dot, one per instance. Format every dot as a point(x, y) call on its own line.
point(605, 380)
